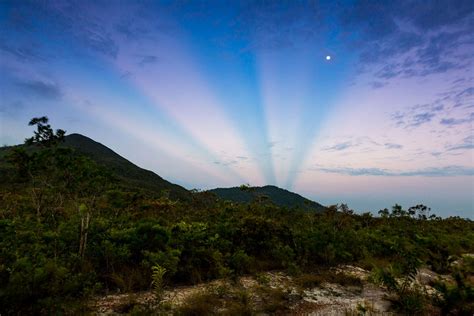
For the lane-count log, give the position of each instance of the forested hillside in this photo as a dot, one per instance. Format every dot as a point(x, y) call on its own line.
point(70, 229)
point(130, 175)
point(280, 197)
point(126, 171)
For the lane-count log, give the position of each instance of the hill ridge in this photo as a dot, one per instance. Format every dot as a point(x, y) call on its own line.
point(279, 196)
point(122, 167)
point(134, 177)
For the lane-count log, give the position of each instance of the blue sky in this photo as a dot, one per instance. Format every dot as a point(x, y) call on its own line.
point(212, 93)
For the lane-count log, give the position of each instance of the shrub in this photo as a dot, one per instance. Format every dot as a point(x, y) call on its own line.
point(308, 281)
point(202, 303)
point(410, 298)
point(240, 262)
point(157, 281)
point(457, 298)
point(274, 301)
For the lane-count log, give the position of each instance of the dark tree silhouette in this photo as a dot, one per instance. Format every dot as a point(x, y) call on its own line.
point(44, 135)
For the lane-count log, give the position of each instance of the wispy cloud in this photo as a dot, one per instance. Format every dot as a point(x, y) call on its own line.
point(467, 143)
point(457, 121)
point(64, 20)
point(12, 109)
point(448, 171)
point(393, 44)
point(393, 146)
point(365, 144)
point(147, 59)
point(226, 163)
point(24, 53)
point(417, 115)
point(378, 84)
point(339, 146)
point(41, 88)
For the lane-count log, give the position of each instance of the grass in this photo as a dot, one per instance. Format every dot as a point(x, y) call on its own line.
point(222, 300)
point(274, 301)
point(202, 303)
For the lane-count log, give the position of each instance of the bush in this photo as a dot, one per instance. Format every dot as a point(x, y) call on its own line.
point(157, 281)
point(203, 303)
point(457, 298)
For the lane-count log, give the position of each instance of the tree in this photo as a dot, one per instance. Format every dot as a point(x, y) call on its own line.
point(44, 135)
point(422, 210)
point(344, 208)
point(384, 213)
point(398, 211)
point(245, 187)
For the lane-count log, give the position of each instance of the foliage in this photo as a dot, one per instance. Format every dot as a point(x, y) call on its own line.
point(269, 194)
point(44, 134)
point(410, 298)
point(457, 298)
point(157, 281)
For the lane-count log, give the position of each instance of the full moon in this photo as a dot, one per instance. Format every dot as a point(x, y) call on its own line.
point(328, 57)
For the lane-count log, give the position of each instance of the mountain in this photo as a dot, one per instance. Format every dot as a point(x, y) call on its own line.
point(280, 197)
point(123, 169)
point(130, 175)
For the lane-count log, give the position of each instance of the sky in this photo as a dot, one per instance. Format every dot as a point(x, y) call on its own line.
point(221, 93)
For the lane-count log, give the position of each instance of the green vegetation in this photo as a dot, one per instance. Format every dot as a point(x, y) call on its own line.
point(129, 174)
point(157, 281)
point(269, 194)
point(70, 228)
point(458, 297)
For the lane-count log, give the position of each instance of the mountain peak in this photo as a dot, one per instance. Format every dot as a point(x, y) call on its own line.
point(279, 196)
point(125, 170)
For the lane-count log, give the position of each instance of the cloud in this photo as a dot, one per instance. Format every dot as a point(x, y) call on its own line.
point(147, 59)
point(226, 163)
point(388, 71)
point(467, 143)
point(365, 144)
point(448, 171)
point(131, 30)
point(25, 53)
point(339, 146)
point(435, 14)
point(410, 38)
point(44, 89)
point(278, 25)
point(468, 92)
point(12, 109)
point(422, 118)
point(378, 84)
point(393, 146)
point(98, 40)
point(417, 115)
point(67, 23)
point(457, 121)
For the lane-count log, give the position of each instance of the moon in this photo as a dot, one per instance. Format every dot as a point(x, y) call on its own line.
point(328, 57)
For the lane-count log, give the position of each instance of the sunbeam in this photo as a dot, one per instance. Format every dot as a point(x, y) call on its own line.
point(294, 94)
point(194, 108)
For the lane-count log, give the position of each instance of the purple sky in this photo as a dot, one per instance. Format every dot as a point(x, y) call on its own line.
point(211, 93)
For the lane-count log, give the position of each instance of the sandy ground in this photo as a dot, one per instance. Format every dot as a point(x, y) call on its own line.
point(325, 299)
